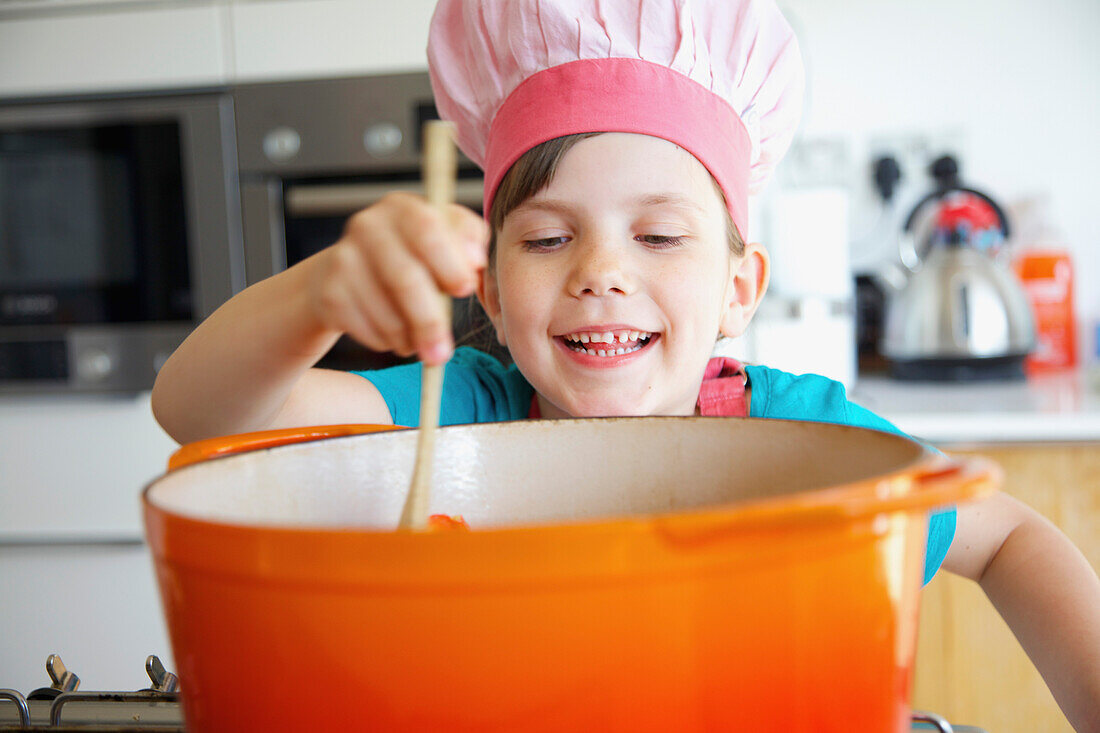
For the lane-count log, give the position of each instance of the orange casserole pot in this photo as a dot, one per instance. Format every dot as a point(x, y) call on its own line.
point(623, 574)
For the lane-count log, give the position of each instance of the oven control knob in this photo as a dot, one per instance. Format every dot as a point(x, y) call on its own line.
point(282, 144)
point(383, 138)
point(93, 365)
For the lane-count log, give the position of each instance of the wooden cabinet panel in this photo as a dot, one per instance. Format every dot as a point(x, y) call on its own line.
point(970, 667)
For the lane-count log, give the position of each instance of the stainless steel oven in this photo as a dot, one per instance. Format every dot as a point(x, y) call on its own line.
point(311, 153)
point(119, 231)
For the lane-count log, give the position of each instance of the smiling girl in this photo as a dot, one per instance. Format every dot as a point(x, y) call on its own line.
point(611, 282)
point(620, 143)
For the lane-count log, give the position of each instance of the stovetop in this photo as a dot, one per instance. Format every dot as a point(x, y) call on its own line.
point(64, 707)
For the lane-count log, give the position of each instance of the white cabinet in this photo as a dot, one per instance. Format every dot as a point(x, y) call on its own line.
point(280, 39)
point(105, 46)
point(72, 467)
point(95, 605)
point(111, 48)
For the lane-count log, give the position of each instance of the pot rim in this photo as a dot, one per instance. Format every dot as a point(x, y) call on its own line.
point(931, 480)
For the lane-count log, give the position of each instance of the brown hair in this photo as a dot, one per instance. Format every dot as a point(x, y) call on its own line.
point(534, 171)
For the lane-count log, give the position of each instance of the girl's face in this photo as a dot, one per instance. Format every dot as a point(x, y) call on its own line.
point(610, 285)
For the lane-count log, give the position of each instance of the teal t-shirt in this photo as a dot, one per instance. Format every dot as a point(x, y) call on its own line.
point(477, 388)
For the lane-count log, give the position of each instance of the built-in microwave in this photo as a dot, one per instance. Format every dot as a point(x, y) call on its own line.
point(119, 230)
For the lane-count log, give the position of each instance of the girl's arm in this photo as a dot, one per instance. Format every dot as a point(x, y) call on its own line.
point(1045, 590)
point(249, 365)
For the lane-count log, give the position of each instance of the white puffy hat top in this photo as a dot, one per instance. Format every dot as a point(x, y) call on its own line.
point(721, 78)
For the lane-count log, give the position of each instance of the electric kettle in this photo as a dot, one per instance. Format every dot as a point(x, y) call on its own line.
point(959, 313)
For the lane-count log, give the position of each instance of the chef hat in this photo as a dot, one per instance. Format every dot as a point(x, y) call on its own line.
point(720, 78)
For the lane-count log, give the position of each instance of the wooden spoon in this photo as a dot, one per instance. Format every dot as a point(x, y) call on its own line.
point(439, 169)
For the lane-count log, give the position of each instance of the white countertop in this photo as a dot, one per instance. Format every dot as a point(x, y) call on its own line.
point(1055, 407)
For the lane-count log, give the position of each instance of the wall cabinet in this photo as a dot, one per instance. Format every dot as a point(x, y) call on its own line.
point(111, 46)
point(970, 668)
point(322, 38)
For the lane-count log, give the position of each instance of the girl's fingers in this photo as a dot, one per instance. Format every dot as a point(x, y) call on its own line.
point(354, 322)
point(413, 292)
point(396, 258)
point(333, 295)
point(431, 237)
point(372, 300)
point(360, 328)
point(346, 298)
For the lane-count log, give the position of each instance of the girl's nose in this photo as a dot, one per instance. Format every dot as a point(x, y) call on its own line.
point(599, 269)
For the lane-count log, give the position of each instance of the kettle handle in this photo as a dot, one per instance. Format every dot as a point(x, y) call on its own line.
point(939, 193)
point(907, 248)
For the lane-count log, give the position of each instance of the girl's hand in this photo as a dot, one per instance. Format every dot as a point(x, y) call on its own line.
point(381, 282)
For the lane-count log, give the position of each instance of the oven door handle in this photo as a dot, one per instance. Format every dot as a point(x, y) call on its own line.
point(344, 199)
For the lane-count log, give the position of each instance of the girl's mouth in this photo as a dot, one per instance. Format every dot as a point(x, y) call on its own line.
point(607, 344)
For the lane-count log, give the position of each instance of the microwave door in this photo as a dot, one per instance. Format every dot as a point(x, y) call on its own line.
point(119, 230)
point(92, 223)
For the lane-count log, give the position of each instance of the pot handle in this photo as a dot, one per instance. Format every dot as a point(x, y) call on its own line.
point(948, 480)
point(227, 445)
point(938, 482)
point(942, 481)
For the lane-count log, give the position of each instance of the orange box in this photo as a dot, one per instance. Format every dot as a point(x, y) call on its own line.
point(1047, 278)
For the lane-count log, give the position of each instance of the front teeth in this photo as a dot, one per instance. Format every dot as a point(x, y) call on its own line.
point(576, 339)
point(608, 337)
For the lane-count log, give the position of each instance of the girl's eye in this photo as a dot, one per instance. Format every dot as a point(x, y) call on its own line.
point(659, 241)
point(542, 245)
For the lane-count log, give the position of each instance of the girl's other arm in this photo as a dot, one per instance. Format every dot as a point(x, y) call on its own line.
point(249, 365)
point(1046, 592)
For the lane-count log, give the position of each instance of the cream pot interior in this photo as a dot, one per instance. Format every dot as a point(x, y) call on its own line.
point(534, 472)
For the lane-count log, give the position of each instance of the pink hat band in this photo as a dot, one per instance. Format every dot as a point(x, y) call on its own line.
point(623, 95)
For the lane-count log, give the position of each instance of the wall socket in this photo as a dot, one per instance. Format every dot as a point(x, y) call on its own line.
point(914, 153)
point(874, 225)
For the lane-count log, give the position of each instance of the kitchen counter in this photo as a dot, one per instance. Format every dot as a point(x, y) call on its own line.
point(1055, 407)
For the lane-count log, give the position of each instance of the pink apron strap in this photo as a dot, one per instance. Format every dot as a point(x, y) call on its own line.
point(723, 389)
